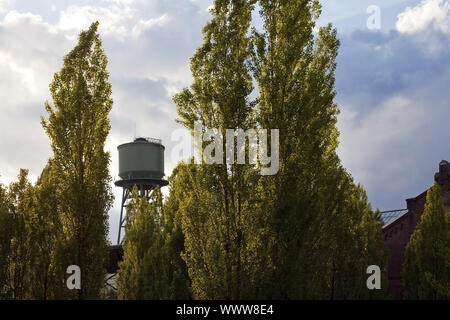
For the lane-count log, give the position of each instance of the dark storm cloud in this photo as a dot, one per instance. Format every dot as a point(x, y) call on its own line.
point(372, 66)
point(393, 93)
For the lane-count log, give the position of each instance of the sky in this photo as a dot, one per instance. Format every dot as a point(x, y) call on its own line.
point(392, 82)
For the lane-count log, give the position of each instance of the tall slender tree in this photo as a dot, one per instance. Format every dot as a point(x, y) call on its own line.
point(142, 273)
point(5, 240)
point(77, 126)
point(217, 223)
point(44, 230)
point(152, 267)
point(426, 270)
point(308, 200)
point(16, 247)
point(291, 235)
point(174, 244)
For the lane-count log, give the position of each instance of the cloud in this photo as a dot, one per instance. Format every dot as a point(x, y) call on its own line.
point(112, 18)
point(31, 51)
point(394, 149)
point(143, 25)
point(4, 5)
point(14, 18)
point(146, 67)
point(121, 2)
point(393, 92)
point(391, 87)
point(428, 14)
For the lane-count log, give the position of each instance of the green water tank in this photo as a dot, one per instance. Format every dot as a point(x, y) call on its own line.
point(141, 159)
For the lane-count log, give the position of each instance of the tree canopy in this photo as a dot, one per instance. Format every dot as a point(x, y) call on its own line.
point(426, 270)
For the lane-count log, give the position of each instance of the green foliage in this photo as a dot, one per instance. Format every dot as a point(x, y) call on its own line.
point(174, 241)
point(308, 231)
point(150, 268)
point(142, 254)
point(77, 126)
point(215, 201)
point(15, 248)
point(225, 231)
point(45, 232)
point(6, 234)
point(426, 270)
point(62, 219)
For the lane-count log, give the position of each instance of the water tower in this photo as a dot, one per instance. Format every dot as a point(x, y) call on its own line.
point(141, 163)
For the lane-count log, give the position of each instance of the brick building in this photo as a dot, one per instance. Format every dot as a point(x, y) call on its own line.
point(398, 230)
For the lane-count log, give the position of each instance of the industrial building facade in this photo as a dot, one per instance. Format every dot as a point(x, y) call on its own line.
point(398, 231)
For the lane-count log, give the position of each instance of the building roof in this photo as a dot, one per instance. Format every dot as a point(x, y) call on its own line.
point(392, 215)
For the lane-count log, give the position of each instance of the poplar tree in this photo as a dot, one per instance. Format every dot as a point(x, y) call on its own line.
point(142, 273)
point(77, 125)
point(152, 267)
point(355, 241)
point(45, 232)
point(5, 240)
point(426, 270)
point(16, 249)
point(306, 232)
point(294, 68)
point(216, 221)
point(179, 284)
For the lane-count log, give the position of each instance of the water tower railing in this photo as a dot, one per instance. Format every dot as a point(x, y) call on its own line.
point(153, 140)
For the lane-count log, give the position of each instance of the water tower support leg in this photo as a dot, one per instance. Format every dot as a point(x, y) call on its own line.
point(125, 196)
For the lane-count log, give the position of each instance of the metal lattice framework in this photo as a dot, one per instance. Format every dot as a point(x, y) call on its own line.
point(145, 187)
point(392, 215)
